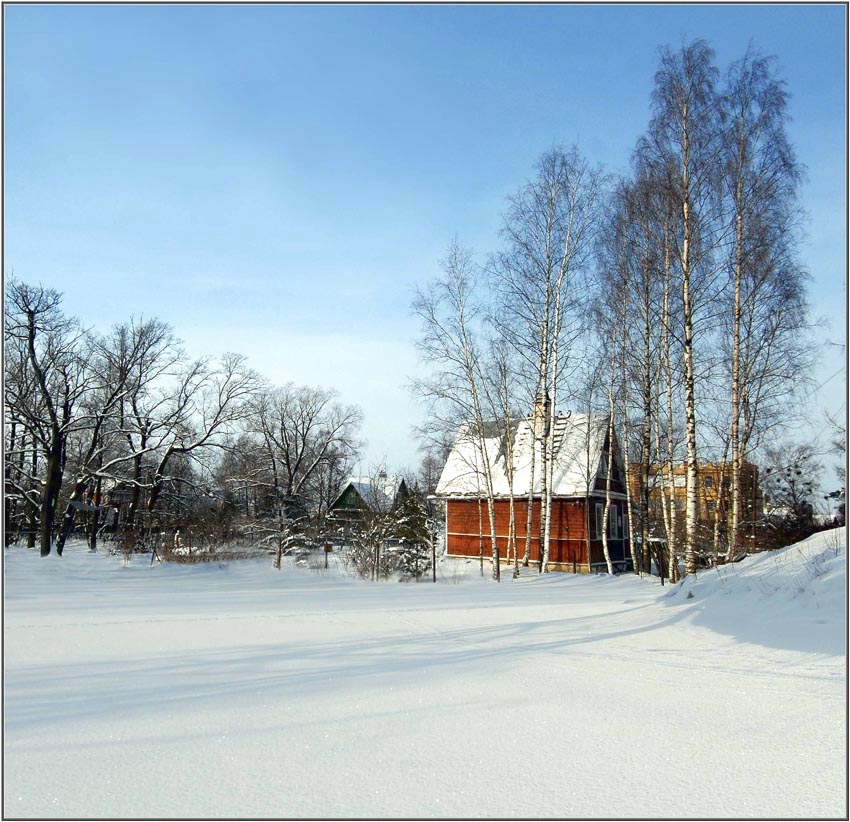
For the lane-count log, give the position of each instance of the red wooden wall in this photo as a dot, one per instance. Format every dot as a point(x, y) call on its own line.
point(466, 534)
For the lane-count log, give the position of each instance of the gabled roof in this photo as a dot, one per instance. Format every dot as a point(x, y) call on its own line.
point(376, 492)
point(578, 446)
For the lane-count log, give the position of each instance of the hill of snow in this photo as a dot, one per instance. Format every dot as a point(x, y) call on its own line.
point(779, 598)
point(240, 691)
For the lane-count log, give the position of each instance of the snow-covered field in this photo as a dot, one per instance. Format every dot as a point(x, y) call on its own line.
point(241, 691)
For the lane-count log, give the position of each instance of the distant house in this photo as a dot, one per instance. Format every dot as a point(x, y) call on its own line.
point(361, 495)
point(714, 503)
point(118, 497)
point(579, 476)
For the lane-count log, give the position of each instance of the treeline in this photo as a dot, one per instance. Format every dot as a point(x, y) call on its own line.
point(93, 421)
point(672, 299)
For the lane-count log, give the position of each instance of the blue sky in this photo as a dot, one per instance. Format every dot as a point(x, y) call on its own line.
point(273, 180)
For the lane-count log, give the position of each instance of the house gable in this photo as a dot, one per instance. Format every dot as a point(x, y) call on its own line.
point(349, 500)
point(579, 441)
point(360, 494)
point(579, 479)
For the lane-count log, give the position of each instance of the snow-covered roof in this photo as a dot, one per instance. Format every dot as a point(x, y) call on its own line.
point(377, 492)
point(578, 444)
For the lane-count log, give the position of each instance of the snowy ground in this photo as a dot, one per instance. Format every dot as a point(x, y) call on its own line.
point(241, 691)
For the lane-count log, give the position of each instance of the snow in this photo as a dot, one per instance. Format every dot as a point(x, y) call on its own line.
point(380, 491)
point(578, 442)
point(241, 691)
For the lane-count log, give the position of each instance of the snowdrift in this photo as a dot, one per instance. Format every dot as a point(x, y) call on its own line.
point(793, 598)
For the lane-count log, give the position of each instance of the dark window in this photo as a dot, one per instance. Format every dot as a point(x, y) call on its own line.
point(613, 531)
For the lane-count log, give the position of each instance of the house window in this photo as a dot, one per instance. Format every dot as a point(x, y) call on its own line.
point(709, 506)
point(613, 531)
point(614, 520)
point(615, 474)
point(708, 482)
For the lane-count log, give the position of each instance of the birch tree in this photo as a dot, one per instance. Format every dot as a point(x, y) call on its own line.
point(768, 311)
point(548, 233)
point(502, 399)
point(628, 322)
point(451, 315)
point(684, 138)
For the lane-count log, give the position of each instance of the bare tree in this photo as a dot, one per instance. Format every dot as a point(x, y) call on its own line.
point(549, 235)
point(684, 139)
point(304, 430)
point(434, 446)
point(22, 419)
point(122, 364)
point(201, 410)
point(244, 474)
point(503, 402)
point(157, 387)
point(450, 315)
point(768, 309)
point(126, 409)
point(790, 479)
point(54, 380)
point(629, 322)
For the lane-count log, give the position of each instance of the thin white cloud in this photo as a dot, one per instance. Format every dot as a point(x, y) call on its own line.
point(368, 371)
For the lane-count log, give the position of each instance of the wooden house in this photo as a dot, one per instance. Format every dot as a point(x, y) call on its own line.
point(359, 495)
point(579, 472)
point(714, 504)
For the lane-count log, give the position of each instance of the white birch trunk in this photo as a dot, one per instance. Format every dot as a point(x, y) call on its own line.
point(626, 459)
point(672, 546)
point(736, 376)
point(691, 505)
point(529, 516)
point(606, 529)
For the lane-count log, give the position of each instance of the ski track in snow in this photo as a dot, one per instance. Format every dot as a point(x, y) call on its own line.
point(241, 691)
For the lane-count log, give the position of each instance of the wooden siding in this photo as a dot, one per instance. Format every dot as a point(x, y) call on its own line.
point(617, 486)
point(350, 499)
point(468, 535)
